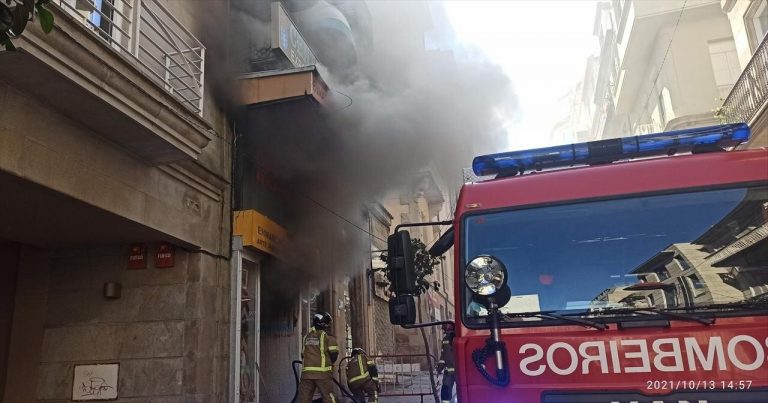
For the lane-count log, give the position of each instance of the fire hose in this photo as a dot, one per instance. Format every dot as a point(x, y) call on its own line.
point(493, 345)
point(296, 379)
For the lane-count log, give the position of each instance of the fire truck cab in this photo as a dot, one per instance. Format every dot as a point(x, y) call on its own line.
point(622, 270)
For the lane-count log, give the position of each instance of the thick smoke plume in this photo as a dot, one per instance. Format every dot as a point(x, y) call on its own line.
point(397, 109)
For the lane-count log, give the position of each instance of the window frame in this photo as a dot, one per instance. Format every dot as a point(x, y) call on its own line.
point(750, 15)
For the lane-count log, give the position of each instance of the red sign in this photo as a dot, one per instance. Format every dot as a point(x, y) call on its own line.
point(165, 255)
point(137, 258)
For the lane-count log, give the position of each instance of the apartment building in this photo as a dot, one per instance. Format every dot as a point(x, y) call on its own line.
point(664, 65)
point(114, 206)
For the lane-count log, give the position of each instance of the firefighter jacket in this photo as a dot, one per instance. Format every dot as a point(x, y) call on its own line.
point(320, 351)
point(360, 368)
point(446, 355)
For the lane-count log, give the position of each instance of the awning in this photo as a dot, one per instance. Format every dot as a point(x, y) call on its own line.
point(282, 85)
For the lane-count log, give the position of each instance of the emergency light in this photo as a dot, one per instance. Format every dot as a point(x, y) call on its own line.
point(605, 151)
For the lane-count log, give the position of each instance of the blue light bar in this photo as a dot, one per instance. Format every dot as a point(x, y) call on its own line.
point(605, 151)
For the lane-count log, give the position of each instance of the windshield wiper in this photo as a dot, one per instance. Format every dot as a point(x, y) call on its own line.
point(552, 315)
point(651, 311)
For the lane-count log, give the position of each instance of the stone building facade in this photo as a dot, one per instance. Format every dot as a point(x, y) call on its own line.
point(112, 152)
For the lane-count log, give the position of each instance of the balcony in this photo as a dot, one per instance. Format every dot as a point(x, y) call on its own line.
point(149, 34)
point(748, 100)
point(126, 69)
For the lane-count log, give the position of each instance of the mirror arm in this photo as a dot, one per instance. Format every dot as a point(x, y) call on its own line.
point(439, 323)
point(423, 224)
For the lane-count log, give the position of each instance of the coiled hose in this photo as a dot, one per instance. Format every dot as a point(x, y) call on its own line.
point(481, 354)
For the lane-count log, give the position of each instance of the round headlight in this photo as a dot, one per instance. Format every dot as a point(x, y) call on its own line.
point(485, 275)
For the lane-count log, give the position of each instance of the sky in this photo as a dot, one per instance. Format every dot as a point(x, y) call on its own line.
point(542, 45)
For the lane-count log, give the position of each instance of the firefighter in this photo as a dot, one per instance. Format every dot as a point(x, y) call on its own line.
point(363, 377)
point(446, 363)
point(319, 353)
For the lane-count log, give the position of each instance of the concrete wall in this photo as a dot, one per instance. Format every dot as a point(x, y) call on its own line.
point(385, 338)
point(9, 256)
point(165, 331)
point(45, 147)
point(30, 306)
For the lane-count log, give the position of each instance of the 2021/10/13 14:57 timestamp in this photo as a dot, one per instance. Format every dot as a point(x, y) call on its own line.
point(697, 385)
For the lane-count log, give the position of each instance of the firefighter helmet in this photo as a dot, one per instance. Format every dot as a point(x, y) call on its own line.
point(322, 320)
point(357, 350)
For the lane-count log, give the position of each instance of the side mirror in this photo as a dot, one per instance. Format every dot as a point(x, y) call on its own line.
point(443, 243)
point(400, 261)
point(402, 310)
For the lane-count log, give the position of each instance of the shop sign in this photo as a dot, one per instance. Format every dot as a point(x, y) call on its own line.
point(287, 39)
point(164, 257)
point(137, 257)
point(260, 232)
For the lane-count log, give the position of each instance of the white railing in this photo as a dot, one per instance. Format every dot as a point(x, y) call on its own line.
point(149, 33)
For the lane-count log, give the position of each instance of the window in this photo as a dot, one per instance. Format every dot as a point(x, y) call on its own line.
point(101, 17)
point(662, 273)
point(725, 65)
point(695, 283)
point(684, 265)
point(756, 20)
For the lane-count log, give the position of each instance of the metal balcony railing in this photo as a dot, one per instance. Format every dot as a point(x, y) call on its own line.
point(646, 128)
point(148, 33)
point(750, 93)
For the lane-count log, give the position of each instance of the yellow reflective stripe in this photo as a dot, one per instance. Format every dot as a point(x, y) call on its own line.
point(375, 379)
point(370, 362)
point(359, 377)
point(363, 371)
point(322, 349)
point(333, 348)
point(450, 370)
point(317, 369)
point(333, 398)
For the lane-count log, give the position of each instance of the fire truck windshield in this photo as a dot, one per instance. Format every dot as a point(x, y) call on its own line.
point(682, 250)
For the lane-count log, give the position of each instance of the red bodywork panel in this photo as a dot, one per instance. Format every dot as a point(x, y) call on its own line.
point(617, 361)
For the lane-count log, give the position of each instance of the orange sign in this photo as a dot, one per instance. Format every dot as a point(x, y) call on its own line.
point(260, 232)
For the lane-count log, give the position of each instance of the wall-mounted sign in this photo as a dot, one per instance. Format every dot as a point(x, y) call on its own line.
point(164, 256)
point(288, 40)
point(95, 382)
point(137, 256)
point(259, 231)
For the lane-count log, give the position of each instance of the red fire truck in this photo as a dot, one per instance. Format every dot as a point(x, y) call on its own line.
point(622, 270)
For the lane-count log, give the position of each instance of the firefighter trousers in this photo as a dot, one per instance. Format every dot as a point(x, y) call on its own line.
point(307, 389)
point(446, 392)
point(361, 389)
